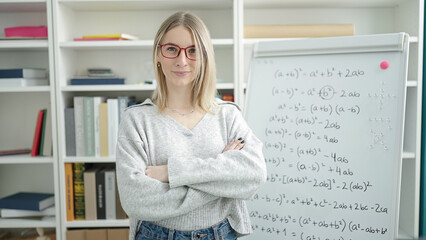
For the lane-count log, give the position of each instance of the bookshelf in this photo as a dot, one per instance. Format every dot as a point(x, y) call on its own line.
point(225, 19)
point(368, 17)
point(20, 106)
point(129, 59)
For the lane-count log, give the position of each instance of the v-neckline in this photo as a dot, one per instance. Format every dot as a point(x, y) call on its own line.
point(180, 127)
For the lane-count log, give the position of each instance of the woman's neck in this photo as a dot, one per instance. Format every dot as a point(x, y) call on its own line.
point(180, 99)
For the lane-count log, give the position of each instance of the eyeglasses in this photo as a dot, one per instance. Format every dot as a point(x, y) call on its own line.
point(172, 51)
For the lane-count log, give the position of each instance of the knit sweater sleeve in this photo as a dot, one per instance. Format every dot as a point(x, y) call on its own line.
point(142, 197)
point(232, 174)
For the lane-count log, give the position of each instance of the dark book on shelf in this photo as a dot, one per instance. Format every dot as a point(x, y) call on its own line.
point(28, 201)
point(23, 73)
point(96, 81)
point(100, 194)
point(70, 132)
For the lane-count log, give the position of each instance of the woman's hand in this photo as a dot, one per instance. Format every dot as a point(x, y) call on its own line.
point(234, 145)
point(159, 173)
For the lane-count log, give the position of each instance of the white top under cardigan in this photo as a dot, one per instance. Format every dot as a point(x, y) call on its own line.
point(205, 185)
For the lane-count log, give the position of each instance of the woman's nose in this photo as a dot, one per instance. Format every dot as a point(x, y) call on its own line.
point(181, 59)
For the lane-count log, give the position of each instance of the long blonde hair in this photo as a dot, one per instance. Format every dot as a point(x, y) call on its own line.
point(204, 84)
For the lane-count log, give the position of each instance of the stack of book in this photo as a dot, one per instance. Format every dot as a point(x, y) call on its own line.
point(298, 30)
point(107, 37)
point(22, 77)
point(27, 204)
point(97, 76)
point(91, 192)
point(42, 141)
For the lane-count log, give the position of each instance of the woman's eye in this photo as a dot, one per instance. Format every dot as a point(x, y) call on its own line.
point(192, 50)
point(171, 49)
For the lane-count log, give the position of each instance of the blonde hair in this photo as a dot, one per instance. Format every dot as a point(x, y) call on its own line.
point(204, 84)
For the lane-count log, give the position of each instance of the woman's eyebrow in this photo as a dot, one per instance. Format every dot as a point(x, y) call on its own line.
point(170, 43)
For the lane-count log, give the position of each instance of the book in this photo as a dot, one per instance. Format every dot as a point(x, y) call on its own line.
point(80, 146)
point(69, 191)
point(35, 150)
point(89, 126)
point(228, 97)
point(123, 36)
point(96, 102)
point(28, 201)
point(14, 152)
point(43, 129)
point(23, 82)
point(123, 102)
point(100, 194)
point(100, 72)
point(69, 132)
point(112, 125)
point(48, 142)
point(298, 30)
point(13, 213)
point(103, 129)
point(78, 178)
point(97, 81)
point(26, 31)
point(23, 73)
point(90, 194)
point(119, 211)
point(110, 211)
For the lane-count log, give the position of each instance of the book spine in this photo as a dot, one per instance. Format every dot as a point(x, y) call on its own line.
point(78, 172)
point(89, 126)
point(37, 135)
point(96, 115)
point(43, 132)
point(69, 191)
point(119, 211)
point(70, 132)
point(100, 194)
point(90, 194)
point(110, 211)
point(23, 73)
point(47, 146)
point(122, 104)
point(103, 129)
point(112, 125)
point(79, 126)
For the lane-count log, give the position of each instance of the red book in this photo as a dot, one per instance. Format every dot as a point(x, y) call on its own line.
point(35, 151)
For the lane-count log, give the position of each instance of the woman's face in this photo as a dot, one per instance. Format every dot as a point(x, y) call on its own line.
point(179, 71)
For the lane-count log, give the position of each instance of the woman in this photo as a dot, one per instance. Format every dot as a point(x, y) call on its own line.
point(185, 161)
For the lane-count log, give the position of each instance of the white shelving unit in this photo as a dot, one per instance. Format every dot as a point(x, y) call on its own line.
point(20, 106)
point(129, 59)
point(368, 17)
point(225, 19)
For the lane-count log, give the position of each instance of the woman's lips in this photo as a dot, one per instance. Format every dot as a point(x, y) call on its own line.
point(181, 73)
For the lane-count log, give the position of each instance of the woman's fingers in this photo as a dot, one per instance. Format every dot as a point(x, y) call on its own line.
point(234, 145)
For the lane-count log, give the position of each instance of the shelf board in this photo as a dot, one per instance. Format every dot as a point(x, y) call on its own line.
point(24, 159)
point(408, 155)
point(97, 223)
point(24, 44)
point(22, 6)
point(113, 88)
point(26, 223)
point(127, 44)
point(125, 87)
point(89, 159)
point(133, 5)
point(411, 83)
point(320, 3)
point(25, 89)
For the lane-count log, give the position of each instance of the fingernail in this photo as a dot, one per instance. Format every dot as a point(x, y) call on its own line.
point(240, 138)
point(242, 141)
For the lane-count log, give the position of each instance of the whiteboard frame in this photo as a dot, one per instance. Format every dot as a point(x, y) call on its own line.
point(392, 42)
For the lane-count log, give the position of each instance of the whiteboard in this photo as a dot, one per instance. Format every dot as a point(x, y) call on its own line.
point(330, 114)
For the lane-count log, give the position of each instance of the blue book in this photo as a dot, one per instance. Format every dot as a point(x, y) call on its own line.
point(28, 201)
point(23, 73)
point(96, 81)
